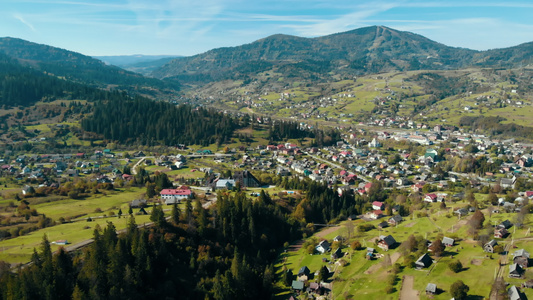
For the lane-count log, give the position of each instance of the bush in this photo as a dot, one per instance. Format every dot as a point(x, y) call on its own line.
point(389, 289)
point(356, 245)
point(456, 266)
point(98, 210)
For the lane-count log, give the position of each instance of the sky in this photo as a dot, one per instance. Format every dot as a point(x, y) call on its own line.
point(188, 27)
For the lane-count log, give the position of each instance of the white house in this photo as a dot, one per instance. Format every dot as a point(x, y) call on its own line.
point(171, 196)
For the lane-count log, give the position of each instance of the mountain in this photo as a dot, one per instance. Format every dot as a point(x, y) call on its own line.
point(79, 68)
point(366, 50)
point(128, 60)
point(22, 86)
point(142, 64)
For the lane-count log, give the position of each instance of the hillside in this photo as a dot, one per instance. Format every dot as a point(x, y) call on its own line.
point(79, 68)
point(368, 50)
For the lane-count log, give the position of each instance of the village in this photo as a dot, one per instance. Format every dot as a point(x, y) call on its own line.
point(440, 168)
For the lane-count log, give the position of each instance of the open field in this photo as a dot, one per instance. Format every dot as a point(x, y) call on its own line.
point(20, 249)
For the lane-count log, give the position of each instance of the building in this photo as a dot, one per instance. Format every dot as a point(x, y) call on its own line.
point(521, 257)
point(489, 247)
point(423, 261)
point(386, 242)
point(171, 196)
point(448, 242)
point(246, 179)
point(515, 271)
point(431, 289)
point(322, 247)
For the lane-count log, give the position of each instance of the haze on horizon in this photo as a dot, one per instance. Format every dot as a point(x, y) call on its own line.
point(186, 27)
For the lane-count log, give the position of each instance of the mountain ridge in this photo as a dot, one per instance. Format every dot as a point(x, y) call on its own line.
point(77, 67)
point(364, 50)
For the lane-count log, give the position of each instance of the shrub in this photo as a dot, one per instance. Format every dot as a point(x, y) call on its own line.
point(389, 289)
point(456, 266)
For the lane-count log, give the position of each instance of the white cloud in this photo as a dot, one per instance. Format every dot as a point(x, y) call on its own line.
point(23, 21)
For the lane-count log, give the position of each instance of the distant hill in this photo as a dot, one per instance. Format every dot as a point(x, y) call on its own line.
point(366, 50)
point(142, 64)
point(79, 68)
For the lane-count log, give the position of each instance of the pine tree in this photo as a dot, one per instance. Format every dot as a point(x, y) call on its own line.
point(175, 214)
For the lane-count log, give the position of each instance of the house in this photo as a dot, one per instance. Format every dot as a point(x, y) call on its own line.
point(430, 198)
point(461, 212)
point(338, 238)
point(28, 190)
point(431, 289)
point(514, 293)
point(383, 225)
point(297, 285)
point(395, 220)
point(337, 254)
point(500, 233)
point(521, 257)
point(489, 247)
point(386, 242)
point(448, 242)
point(377, 205)
point(322, 247)
point(515, 271)
point(171, 196)
point(505, 224)
point(376, 214)
point(303, 273)
point(138, 203)
point(423, 261)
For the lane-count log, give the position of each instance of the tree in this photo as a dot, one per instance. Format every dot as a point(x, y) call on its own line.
point(287, 277)
point(456, 266)
point(130, 210)
point(355, 245)
point(459, 290)
point(158, 216)
point(323, 274)
point(119, 214)
point(437, 247)
point(175, 214)
point(477, 220)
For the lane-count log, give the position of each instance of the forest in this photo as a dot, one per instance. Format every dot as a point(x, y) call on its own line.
point(152, 123)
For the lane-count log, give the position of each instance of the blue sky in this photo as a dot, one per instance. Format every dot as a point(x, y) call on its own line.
point(188, 27)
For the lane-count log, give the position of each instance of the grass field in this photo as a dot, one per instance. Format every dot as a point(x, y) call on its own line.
point(20, 249)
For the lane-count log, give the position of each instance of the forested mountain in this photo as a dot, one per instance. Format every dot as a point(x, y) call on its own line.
point(151, 123)
point(366, 50)
point(23, 86)
point(77, 67)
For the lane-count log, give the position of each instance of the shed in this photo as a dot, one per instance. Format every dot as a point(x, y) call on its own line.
point(431, 289)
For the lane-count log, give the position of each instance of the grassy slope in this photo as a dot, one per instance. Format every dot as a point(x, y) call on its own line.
point(352, 282)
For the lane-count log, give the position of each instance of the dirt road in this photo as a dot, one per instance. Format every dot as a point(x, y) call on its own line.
point(407, 292)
